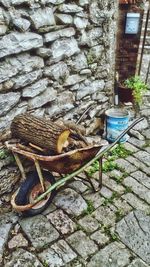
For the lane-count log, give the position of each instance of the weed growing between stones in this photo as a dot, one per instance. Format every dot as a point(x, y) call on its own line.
point(118, 152)
point(119, 214)
point(128, 189)
point(118, 178)
point(90, 208)
point(107, 230)
point(110, 200)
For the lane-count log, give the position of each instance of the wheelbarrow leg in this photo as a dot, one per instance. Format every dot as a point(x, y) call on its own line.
point(38, 168)
point(100, 172)
point(20, 166)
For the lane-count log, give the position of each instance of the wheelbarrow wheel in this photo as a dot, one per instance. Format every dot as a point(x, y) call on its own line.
point(31, 188)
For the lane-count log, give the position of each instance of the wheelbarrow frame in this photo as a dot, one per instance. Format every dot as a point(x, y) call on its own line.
point(64, 179)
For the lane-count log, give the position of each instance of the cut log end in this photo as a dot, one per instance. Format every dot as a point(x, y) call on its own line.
point(62, 140)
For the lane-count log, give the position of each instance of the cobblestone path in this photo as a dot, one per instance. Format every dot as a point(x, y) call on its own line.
point(109, 228)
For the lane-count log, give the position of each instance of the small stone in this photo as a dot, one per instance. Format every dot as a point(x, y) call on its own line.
point(35, 89)
point(146, 133)
point(25, 257)
point(105, 192)
point(55, 2)
point(137, 134)
point(48, 96)
point(19, 22)
point(52, 36)
point(122, 206)
point(7, 119)
point(6, 222)
point(82, 244)
point(113, 185)
point(78, 186)
point(17, 241)
point(8, 101)
point(89, 223)
point(26, 79)
point(136, 202)
point(80, 23)
point(71, 202)
point(64, 18)
point(142, 178)
point(79, 62)
point(125, 165)
point(100, 238)
point(137, 188)
point(83, 2)
point(21, 64)
point(90, 88)
point(96, 199)
point(39, 231)
point(44, 52)
point(57, 71)
point(70, 8)
point(85, 72)
point(42, 17)
point(136, 142)
point(61, 105)
point(64, 48)
point(59, 254)
point(16, 42)
point(115, 254)
point(73, 79)
point(139, 165)
point(143, 156)
point(133, 232)
point(130, 147)
point(141, 125)
point(61, 222)
point(105, 215)
point(8, 178)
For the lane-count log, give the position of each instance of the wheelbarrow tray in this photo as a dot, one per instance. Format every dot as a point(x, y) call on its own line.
point(64, 163)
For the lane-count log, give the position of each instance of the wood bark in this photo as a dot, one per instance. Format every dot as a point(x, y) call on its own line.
point(41, 132)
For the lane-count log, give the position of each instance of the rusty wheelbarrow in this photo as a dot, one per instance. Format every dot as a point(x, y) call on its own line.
point(39, 187)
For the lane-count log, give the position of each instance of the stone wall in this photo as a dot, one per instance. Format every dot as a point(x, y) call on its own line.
point(56, 57)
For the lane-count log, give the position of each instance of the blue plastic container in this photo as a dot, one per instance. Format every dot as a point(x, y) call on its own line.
point(117, 121)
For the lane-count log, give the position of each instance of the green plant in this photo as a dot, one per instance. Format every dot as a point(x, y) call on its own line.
point(137, 86)
point(90, 207)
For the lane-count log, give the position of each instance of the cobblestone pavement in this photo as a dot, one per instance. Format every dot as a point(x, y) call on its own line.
point(109, 228)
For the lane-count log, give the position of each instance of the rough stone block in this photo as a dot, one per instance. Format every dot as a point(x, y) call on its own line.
point(61, 222)
point(8, 101)
point(135, 202)
point(39, 231)
point(16, 42)
point(42, 17)
point(115, 254)
point(26, 79)
point(89, 223)
point(64, 18)
point(70, 8)
point(35, 89)
point(58, 254)
point(137, 188)
point(71, 202)
point(21, 64)
point(61, 105)
point(24, 256)
point(134, 233)
point(82, 244)
point(64, 48)
point(57, 71)
point(47, 96)
point(52, 36)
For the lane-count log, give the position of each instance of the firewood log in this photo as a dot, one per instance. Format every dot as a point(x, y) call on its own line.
point(41, 132)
